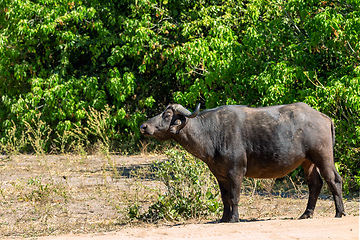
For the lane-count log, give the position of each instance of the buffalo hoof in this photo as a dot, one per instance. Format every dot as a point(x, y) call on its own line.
point(224, 220)
point(306, 215)
point(339, 215)
point(228, 221)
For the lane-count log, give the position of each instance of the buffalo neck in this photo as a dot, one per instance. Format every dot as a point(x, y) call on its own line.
point(193, 138)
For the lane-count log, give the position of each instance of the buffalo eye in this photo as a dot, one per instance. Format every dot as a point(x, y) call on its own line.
point(166, 116)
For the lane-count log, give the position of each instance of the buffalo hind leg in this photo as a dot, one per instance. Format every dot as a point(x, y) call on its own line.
point(315, 184)
point(325, 163)
point(333, 179)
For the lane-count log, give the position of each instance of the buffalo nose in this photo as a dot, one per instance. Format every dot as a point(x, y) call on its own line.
point(143, 128)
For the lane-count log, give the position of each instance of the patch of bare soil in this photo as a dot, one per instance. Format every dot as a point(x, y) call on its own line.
point(54, 194)
point(321, 228)
point(87, 197)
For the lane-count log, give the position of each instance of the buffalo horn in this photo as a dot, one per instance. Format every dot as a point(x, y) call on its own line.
point(183, 111)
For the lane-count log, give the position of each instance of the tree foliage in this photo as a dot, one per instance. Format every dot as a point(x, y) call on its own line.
point(63, 57)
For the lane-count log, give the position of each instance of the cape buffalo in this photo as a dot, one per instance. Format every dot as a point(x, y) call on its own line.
point(266, 142)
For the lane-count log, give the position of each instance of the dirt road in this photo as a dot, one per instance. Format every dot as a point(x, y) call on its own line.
point(320, 228)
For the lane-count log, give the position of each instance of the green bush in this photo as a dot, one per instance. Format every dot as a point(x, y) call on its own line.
point(64, 58)
point(191, 190)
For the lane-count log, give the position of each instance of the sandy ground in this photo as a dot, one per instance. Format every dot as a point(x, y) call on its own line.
point(93, 202)
point(321, 228)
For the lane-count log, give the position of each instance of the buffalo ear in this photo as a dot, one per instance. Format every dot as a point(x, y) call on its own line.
point(177, 126)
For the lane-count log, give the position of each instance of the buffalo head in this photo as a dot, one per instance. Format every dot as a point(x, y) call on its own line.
point(169, 122)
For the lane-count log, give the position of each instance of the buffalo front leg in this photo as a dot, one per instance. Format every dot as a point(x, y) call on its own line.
point(315, 184)
point(230, 194)
point(225, 196)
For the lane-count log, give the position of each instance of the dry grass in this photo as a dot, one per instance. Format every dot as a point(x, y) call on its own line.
point(53, 194)
point(57, 194)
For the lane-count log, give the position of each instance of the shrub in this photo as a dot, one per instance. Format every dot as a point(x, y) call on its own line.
point(191, 190)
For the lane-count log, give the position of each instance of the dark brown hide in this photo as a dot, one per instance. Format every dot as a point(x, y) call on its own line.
point(269, 142)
